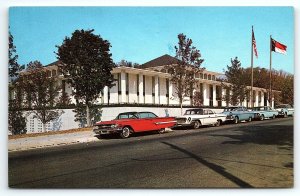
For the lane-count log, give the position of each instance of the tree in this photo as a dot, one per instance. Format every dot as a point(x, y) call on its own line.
point(198, 98)
point(13, 66)
point(80, 114)
point(287, 90)
point(87, 63)
point(184, 70)
point(43, 92)
point(235, 75)
point(127, 63)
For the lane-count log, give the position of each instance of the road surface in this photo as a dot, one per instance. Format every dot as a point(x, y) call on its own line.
point(247, 155)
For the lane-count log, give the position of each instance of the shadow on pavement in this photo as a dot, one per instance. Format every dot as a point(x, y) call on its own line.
point(280, 135)
point(220, 170)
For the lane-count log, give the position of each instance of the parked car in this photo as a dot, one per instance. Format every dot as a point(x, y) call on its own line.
point(264, 112)
point(285, 110)
point(130, 122)
point(199, 117)
point(236, 114)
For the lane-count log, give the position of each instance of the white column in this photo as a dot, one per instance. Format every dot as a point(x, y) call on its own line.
point(105, 94)
point(222, 96)
point(170, 91)
point(256, 99)
point(215, 103)
point(156, 96)
point(263, 98)
point(141, 88)
point(123, 87)
point(205, 94)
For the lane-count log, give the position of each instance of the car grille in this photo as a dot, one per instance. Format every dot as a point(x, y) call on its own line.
point(180, 120)
point(103, 126)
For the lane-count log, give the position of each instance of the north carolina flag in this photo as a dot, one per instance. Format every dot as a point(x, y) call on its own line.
point(278, 47)
point(254, 44)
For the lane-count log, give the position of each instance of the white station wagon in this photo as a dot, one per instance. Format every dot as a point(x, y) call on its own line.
point(200, 117)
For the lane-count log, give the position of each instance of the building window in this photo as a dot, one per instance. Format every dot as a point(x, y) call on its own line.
point(119, 83)
point(201, 75)
point(167, 87)
point(259, 96)
point(209, 77)
point(137, 85)
point(53, 73)
point(205, 76)
point(197, 75)
point(127, 83)
point(213, 77)
point(153, 89)
point(144, 86)
point(48, 73)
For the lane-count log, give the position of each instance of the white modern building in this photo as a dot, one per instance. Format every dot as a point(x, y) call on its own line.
point(147, 88)
point(149, 85)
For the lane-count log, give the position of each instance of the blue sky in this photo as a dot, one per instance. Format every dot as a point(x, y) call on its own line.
point(140, 34)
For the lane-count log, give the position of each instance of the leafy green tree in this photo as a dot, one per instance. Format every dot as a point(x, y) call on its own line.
point(235, 75)
point(287, 90)
point(183, 71)
point(43, 92)
point(13, 66)
point(80, 114)
point(87, 63)
point(127, 63)
point(198, 98)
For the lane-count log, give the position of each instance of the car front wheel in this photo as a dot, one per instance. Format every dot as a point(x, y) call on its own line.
point(197, 124)
point(218, 123)
point(236, 120)
point(262, 117)
point(125, 132)
point(250, 119)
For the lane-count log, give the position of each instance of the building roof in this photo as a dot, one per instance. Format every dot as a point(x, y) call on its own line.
point(160, 61)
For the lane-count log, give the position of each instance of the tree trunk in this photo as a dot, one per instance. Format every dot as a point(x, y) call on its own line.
point(44, 127)
point(88, 118)
point(180, 102)
point(181, 108)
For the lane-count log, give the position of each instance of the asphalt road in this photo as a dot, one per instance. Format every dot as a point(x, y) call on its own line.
point(256, 154)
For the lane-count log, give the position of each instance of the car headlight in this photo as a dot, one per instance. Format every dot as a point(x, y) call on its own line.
point(95, 127)
point(114, 126)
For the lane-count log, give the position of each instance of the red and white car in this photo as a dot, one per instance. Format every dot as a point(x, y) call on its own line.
point(130, 122)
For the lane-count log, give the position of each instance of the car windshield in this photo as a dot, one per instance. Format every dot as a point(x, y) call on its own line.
point(192, 112)
point(283, 106)
point(258, 109)
point(230, 109)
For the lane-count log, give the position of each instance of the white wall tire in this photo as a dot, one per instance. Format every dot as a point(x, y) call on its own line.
point(125, 133)
point(197, 124)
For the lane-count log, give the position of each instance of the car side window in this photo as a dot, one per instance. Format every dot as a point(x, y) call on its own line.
point(205, 112)
point(147, 115)
point(210, 112)
point(123, 116)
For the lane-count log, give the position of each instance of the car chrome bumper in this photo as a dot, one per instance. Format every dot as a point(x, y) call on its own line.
point(107, 130)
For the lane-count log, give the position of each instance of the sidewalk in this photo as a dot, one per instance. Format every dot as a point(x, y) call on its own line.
point(28, 143)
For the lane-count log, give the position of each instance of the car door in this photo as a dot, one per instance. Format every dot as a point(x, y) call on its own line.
point(212, 117)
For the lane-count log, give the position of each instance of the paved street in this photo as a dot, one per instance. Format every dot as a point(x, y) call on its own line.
point(256, 154)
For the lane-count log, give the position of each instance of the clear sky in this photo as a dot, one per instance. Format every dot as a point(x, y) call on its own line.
point(140, 34)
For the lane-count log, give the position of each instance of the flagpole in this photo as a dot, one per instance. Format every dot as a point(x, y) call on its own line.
point(270, 90)
point(251, 93)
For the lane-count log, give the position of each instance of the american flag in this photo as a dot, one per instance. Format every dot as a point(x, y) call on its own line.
point(254, 44)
